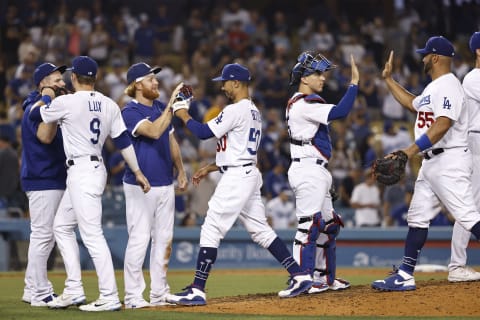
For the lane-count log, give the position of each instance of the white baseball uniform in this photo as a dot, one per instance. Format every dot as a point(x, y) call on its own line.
point(86, 119)
point(238, 129)
point(444, 176)
point(460, 236)
point(309, 177)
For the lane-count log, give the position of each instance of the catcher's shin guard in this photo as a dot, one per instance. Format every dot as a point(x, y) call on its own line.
point(326, 259)
point(305, 244)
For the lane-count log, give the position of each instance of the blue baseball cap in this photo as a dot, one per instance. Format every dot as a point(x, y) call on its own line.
point(44, 70)
point(438, 45)
point(84, 66)
point(139, 70)
point(234, 71)
point(474, 41)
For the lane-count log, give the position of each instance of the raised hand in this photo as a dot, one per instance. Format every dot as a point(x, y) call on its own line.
point(355, 73)
point(387, 70)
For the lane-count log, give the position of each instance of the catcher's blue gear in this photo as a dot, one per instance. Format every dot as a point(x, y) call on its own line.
point(315, 225)
point(308, 63)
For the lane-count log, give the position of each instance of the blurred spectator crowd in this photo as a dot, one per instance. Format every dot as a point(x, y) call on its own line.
point(192, 40)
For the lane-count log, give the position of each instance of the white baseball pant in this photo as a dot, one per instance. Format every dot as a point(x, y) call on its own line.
point(43, 206)
point(445, 178)
point(86, 181)
point(237, 195)
point(149, 216)
point(460, 236)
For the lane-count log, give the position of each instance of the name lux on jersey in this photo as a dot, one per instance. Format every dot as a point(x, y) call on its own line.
point(95, 106)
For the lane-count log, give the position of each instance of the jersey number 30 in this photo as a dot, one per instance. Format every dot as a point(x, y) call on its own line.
point(95, 129)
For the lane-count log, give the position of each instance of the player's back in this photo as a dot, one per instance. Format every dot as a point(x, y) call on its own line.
point(239, 127)
point(87, 119)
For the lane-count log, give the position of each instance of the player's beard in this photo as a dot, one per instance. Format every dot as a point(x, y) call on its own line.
point(150, 94)
point(428, 67)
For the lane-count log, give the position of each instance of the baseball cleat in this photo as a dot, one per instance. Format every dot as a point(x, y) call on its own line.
point(66, 300)
point(44, 302)
point(298, 284)
point(192, 296)
point(317, 287)
point(27, 296)
point(463, 274)
point(339, 284)
point(102, 305)
point(398, 281)
point(160, 301)
point(137, 304)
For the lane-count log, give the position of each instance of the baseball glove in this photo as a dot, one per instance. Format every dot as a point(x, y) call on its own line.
point(59, 91)
point(185, 94)
point(390, 169)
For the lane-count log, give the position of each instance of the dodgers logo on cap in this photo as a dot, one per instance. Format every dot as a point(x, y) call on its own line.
point(438, 45)
point(139, 70)
point(84, 66)
point(44, 70)
point(234, 71)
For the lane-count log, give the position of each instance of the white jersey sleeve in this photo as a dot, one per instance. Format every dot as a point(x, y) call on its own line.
point(443, 97)
point(238, 129)
point(471, 86)
point(55, 111)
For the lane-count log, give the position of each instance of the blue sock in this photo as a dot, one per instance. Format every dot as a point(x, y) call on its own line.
point(279, 250)
point(416, 238)
point(476, 230)
point(206, 259)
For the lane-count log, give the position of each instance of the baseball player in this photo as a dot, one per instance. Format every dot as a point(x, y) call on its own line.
point(87, 117)
point(441, 136)
point(238, 129)
point(151, 215)
point(308, 116)
point(457, 269)
point(43, 176)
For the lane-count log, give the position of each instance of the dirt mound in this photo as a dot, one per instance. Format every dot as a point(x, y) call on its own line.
point(432, 298)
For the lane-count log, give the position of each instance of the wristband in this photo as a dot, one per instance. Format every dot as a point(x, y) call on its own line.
point(423, 142)
point(46, 99)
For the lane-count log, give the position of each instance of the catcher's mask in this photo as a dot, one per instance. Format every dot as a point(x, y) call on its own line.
point(308, 63)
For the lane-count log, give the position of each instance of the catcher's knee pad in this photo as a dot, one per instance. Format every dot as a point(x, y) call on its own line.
point(333, 225)
point(308, 231)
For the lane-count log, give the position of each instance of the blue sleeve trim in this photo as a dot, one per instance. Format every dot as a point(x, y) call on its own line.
point(35, 115)
point(122, 141)
point(201, 130)
point(342, 109)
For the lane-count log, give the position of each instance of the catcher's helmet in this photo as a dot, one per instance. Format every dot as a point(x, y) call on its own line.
point(308, 63)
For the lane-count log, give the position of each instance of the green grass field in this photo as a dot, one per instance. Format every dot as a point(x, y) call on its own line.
point(221, 283)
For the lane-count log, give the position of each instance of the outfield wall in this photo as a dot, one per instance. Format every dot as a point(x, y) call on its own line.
point(365, 247)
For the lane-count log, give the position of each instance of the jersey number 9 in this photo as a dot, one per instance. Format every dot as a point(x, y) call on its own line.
point(95, 129)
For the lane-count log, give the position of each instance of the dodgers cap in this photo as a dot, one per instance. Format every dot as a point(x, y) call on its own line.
point(84, 66)
point(139, 70)
point(234, 71)
point(438, 45)
point(474, 41)
point(44, 70)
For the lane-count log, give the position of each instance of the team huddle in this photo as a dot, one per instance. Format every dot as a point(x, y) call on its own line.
point(64, 176)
